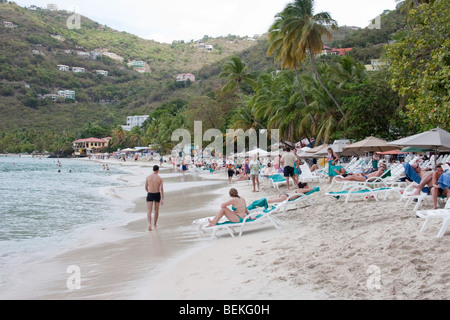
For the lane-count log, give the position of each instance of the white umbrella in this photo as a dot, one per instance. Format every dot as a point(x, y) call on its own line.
point(369, 144)
point(436, 139)
point(261, 152)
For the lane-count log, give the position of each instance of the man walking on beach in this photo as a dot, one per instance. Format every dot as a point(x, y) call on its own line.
point(288, 160)
point(155, 195)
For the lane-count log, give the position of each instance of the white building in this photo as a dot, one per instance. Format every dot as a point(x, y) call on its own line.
point(77, 69)
point(102, 72)
point(134, 121)
point(62, 67)
point(66, 94)
point(183, 77)
point(52, 7)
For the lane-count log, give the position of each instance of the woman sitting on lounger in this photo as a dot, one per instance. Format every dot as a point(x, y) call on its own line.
point(363, 177)
point(234, 216)
point(302, 189)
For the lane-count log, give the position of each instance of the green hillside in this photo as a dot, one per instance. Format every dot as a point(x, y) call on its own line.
point(237, 85)
point(31, 51)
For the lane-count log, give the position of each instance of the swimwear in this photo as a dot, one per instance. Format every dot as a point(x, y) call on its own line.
point(154, 197)
point(288, 171)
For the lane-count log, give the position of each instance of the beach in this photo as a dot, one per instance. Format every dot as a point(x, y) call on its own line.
point(365, 249)
point(362, 250)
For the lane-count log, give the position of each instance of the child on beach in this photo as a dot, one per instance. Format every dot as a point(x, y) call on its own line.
point(155, 196)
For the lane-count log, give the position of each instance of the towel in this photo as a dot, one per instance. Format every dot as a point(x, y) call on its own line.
point(444, 180)
point(258, 204)
point(277, 178)
point(315, 189)
point(412, 174)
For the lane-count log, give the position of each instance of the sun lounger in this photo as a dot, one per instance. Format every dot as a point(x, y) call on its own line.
point(298, 199)
point(307, 175)
point(259, 213)
point(278, 179)
point(419, 199)
point(443, 214)
point(364, 192)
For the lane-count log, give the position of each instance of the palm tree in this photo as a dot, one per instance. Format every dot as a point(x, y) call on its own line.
point(307, 29)
point(236, 73)
point(284, 48)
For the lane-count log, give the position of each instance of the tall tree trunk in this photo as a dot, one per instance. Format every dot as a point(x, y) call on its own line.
point(313, 63)
point(297, 73)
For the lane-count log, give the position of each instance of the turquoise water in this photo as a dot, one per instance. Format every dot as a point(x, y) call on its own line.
point(42, 204)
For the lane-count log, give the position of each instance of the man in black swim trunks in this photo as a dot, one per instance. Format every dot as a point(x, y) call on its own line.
point(155, 196)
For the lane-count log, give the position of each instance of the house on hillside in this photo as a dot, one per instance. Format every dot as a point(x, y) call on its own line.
point(134, 121)
point(86, 147)
point(66, 94)
point(341, 51)
point(78, 69)
point(102, 72)
point(376, 64)
point(8, 24)
point(327, 51)
point(62, 67)
point(183, 77)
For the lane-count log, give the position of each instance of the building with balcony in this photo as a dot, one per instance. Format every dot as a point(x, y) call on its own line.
point(134, 121)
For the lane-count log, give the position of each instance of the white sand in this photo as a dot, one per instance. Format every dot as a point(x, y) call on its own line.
point(362, 250)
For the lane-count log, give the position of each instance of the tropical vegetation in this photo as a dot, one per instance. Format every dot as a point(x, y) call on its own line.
point(282, 82)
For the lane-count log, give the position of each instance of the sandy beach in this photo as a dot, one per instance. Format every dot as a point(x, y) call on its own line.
point(331, 250)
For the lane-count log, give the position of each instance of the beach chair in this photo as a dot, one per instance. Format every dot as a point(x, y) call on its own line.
point(260, 213)
point(296, 199)
point(307, 175)
point(278, 179)
point(418, 199)
point(364, 192)
point(429, 215)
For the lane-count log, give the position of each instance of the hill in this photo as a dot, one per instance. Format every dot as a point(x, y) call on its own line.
point(39, 41)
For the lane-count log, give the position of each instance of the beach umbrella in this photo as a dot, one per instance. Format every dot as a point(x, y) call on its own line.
point(311, 153)
point(435, 139)
point(415, 149)
point(324, 151)
point(369, 144)
point(261, 152)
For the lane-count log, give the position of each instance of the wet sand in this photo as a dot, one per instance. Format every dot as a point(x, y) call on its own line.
point(114, 260)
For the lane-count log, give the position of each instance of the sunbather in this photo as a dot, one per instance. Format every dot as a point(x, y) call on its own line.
point(426, 179)
point(440, 187)
point(237, 215)
point(302, 189)
point(363, 177)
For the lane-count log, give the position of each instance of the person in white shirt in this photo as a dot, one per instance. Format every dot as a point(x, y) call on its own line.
point(254, 166)
point(287, 161)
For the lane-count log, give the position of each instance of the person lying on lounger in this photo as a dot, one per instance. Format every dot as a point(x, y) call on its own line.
point(234, 216)
point(364, 177)
point(302, 189)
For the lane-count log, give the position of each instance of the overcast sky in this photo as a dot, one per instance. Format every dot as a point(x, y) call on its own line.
point(168, 20)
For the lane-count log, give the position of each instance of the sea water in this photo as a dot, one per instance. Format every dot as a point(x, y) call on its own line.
point(43, 202)
point(47, 205)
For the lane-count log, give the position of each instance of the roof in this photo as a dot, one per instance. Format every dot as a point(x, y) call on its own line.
point(90, 140)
